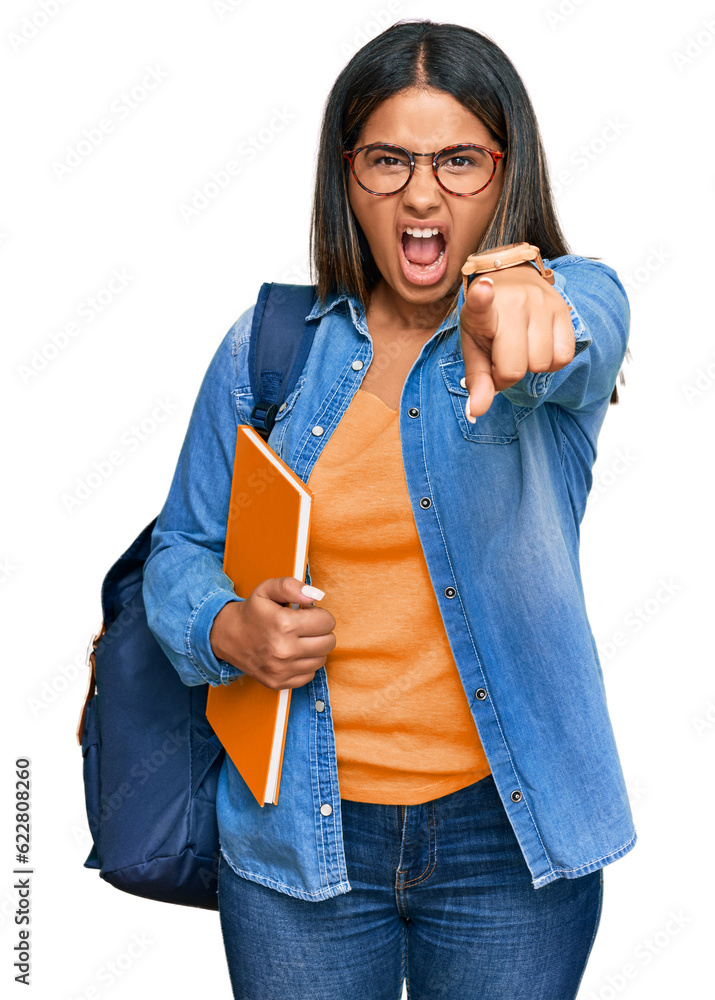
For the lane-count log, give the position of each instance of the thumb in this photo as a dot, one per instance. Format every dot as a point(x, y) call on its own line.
point(288, 590)
point(479, 315)
point(478, 324)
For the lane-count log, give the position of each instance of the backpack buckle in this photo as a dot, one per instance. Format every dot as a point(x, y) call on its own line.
point(264, 416)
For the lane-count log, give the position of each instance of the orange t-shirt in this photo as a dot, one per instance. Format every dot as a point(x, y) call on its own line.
point(404, 732)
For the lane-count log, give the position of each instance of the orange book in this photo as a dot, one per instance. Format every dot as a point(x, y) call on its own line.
point(267, 535)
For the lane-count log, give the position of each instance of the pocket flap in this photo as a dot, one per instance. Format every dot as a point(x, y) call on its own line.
point(497, 426)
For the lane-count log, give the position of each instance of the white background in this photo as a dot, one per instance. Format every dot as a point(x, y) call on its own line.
point(644, 204)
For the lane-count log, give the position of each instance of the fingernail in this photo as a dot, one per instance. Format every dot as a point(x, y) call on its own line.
point(312, 592)
point(467, 410)
point(485, 281)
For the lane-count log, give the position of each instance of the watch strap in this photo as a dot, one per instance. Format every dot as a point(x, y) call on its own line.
point(502, 257)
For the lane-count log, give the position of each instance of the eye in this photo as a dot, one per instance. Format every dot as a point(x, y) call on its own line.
point(468, 158)
point(459, 160)
point(383, 158)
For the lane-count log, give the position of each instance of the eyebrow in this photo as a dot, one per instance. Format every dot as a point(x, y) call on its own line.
point(462, 142)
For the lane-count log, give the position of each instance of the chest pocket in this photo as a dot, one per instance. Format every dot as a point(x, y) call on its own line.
point(499, 425)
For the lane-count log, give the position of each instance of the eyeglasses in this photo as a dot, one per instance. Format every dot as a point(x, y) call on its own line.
point(383, 169)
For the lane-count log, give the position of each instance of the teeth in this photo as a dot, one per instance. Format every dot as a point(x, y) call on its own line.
point(421, 232)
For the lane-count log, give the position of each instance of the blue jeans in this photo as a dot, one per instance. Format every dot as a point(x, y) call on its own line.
point(441, 897)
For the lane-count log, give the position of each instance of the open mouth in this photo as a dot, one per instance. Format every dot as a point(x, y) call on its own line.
point(423, 251)
point(423, 258)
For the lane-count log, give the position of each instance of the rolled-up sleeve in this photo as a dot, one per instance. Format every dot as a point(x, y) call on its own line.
point(184, 586)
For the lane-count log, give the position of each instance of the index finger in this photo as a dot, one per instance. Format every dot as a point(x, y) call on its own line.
point(314, 621)
point(478, 380)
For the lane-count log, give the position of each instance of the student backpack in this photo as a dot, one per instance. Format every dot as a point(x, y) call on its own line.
point(150, 757)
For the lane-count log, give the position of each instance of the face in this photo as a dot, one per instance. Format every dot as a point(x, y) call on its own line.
point(423, 121)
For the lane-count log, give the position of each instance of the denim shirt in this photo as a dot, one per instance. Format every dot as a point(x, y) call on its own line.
point(497, 505)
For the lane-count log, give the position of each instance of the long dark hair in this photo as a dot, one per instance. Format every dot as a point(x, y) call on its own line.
point(476, 72)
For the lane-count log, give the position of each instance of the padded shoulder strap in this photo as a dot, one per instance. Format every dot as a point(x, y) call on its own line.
point(280, 343)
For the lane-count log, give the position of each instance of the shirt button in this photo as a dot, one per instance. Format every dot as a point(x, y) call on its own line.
point(326, 809)
point(413, 411)
point(317, 430)
point(463, 383)
point(281, 407)
point(516, 796)
point(425, 502)
point(320, 706)
point(449, 591)
point(481, 694)
point(357, 365)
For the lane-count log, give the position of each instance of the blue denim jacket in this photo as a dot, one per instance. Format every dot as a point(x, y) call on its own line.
point(497, 505)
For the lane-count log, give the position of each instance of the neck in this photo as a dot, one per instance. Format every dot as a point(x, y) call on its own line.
point(388, 308)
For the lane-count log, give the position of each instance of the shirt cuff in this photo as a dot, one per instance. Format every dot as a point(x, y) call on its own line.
point(198, 644)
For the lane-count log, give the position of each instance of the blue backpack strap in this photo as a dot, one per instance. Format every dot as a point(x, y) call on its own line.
point(280, 343)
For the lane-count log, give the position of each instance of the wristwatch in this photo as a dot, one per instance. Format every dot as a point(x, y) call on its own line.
point(501, 257)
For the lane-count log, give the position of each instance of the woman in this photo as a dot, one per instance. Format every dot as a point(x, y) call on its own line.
point(447, 807)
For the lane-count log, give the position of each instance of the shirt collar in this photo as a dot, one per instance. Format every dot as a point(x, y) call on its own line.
point(334, 299)
point(358, 313)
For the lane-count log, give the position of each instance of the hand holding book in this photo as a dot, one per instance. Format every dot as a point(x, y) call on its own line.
point(282, 647)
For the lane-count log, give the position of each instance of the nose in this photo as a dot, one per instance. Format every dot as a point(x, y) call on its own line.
point(423, 191)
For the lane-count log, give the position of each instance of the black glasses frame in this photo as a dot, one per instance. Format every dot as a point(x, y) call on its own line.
point(495, 154)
